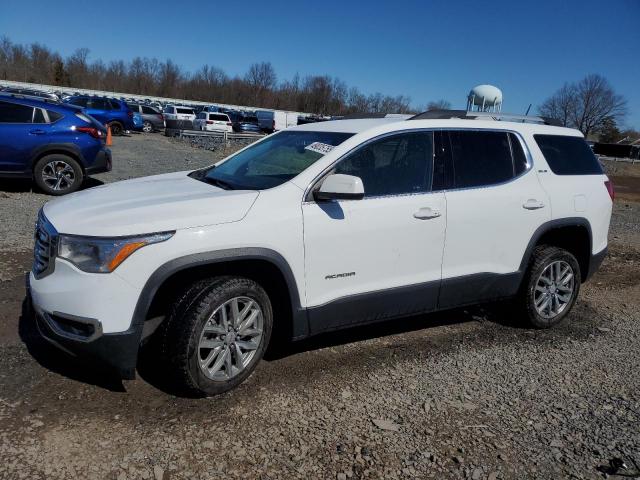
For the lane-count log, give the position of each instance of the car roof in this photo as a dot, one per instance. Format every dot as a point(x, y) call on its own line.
point(32, 101)
point(362, 125)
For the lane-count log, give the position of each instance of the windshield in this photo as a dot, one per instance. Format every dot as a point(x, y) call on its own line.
point(273, 161)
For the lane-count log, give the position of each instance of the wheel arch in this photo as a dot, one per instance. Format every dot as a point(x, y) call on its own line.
point(265, 266)
point(572, 234)
point(69, 150)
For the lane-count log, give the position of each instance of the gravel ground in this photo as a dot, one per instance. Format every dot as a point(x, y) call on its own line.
point(460, 394)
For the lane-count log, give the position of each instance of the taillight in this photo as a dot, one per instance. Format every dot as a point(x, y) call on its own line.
point(94, 132)
point(229, 124)
point(162, 117)
point(209, 122)
point(609, 185)
point(130, 113)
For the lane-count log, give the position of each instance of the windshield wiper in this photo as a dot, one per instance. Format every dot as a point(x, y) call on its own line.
point(219, 183)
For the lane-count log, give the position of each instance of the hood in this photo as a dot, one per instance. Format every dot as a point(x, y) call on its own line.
point(145, 205)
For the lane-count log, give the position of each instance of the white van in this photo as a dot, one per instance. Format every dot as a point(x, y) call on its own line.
point(274, 120)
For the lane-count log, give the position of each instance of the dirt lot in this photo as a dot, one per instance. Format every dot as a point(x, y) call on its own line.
point(461, 394)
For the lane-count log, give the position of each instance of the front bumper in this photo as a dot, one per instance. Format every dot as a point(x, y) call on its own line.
point(101, 164)
point(83, 337)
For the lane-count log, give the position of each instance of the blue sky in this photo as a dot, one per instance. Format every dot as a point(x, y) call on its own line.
point(424, 49)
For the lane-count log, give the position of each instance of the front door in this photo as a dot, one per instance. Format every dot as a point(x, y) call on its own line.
point(377, 257)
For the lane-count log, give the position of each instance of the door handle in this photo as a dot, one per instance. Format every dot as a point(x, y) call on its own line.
point(37, 131)
point(426, 213)
point(532, 204)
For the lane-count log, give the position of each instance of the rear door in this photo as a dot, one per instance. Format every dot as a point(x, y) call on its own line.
point(377, 257)
point(19, 135)
point(494, 205)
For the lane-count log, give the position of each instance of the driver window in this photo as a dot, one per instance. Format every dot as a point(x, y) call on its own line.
point(395, 165)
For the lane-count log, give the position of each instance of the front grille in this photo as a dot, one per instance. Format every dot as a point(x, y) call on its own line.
point(45, 242)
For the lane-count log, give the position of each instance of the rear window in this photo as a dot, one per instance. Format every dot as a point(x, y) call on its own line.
point(188, 111)
point(214, 116)
point(568, 155)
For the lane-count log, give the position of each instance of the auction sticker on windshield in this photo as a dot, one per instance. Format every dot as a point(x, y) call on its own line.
point(319, 147)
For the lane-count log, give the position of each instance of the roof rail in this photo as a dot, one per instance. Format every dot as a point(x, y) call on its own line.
point(466, 115)
point(29, 97)
point(359, 116)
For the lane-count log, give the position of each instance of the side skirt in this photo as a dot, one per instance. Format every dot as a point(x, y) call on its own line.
point(416, 299)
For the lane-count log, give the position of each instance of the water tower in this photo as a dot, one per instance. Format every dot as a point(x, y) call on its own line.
point(484, 98)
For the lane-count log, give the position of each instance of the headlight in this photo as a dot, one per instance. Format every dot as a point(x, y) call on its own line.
point(101, 254)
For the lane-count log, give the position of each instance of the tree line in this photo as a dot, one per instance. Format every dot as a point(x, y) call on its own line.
point(592, 106)
point(259, 87)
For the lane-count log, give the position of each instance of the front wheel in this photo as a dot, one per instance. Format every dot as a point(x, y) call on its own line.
point(216, 333)
point(58, 174)
point(551, 286)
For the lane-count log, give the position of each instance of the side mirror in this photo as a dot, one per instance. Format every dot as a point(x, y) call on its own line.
point(340, 187)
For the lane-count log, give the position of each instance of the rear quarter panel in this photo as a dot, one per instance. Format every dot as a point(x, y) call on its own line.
point(582, 196)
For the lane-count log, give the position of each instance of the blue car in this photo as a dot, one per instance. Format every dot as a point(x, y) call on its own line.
point(55, 144)
point(108, 111)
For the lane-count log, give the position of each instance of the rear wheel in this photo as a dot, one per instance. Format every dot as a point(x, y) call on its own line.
point(58, 174)
point(147, 127)
point(216, 334)
point(116, 128)
point(551, 286)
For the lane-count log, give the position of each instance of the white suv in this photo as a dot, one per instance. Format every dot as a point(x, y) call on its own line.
point(319, 227)
point(213, 122)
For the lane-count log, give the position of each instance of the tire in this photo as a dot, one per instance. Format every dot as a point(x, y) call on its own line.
point(206, 362)
point(116, 128)
point(147, 127)
point(58, 174)
point(549, 289)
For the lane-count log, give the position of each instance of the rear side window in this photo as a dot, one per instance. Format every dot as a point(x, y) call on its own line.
point(149, 110)
point(15, 113)
point(480, 158)
point(568, 155)
point(519, 158)
point(115, 105)
point(395, 165)
point(54, 116)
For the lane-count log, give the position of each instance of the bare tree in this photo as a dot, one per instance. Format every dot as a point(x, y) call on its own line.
point(586, 105)
point(439, 105)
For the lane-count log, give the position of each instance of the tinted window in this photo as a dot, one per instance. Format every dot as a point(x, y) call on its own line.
point(519, 158)
point(213, 116)
point(81, 102)
point(480, 158)
point(98, 104)
point(115, 105)
point(14, 113)
point(568, 155)
point(133, 107)
point(38, 116)
point(442, 167)
point(184, 110)
point(149, 110)
point(394, 165)
point(54, 116)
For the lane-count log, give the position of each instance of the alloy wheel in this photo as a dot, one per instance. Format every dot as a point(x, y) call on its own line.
point(230, 338)
point(147, 127)
point(58, 175)
point(554, 289)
